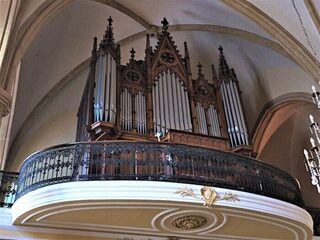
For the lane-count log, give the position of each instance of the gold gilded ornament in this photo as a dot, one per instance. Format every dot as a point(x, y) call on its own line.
point(208, 195)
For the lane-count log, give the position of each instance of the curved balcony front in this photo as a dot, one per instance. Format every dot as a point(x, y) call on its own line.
point(155, 162)
point(147, 190)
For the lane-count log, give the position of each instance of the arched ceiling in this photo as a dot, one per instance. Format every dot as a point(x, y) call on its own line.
point(55, 39)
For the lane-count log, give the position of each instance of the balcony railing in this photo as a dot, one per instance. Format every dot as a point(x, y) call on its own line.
point(155, 162)
point(8, 188)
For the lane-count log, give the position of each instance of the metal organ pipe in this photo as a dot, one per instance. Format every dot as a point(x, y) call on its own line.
point(184, 108)
point(234, 112)
point(243, 124)
point(204, 121)
point(144, 114)
point(238, 115)
point(114, 91)
point(178, 102)
point(172, 113)
point(105, 89)
point(171, 103)
point(226, 106)
point(199, 117)
point(165, 102)
point(189, 124)
point(137, 105)
point(97, 90)
point(122, 109)
point(156, 102)
point(155, 126)
point(130, 111)
point(214, 121)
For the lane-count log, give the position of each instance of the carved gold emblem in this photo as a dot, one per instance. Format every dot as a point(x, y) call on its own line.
point(208, 195)
point(189, 222)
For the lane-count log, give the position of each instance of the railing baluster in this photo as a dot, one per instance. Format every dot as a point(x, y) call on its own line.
point(154, 161)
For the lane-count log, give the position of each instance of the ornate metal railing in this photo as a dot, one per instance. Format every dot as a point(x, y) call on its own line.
point(156, 162)
point(8, 188)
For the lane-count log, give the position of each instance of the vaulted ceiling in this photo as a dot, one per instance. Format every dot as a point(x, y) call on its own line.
point(272, 53)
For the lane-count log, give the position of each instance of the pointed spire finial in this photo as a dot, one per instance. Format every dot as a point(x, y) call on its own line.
point(224, 71)
point(165, 24)
point(108, 36)
point(199, 69)
point(94, 43)
point(132, 53)
point(148, 41)
point(186, 51)
point(110, 21)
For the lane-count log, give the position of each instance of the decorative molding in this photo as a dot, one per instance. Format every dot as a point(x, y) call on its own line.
point(270, 109)
point(5, 101)
point(313, 13)
point(43, 207)
point(136, 190)
point(208, 195)
point(291, 45)
point(189, 222)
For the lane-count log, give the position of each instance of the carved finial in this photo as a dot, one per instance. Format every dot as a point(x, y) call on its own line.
point(199, 69)
point(132, 53)
point(94, 47)
point(108, 36)
point(165, 24)
point(186, 51)
point(148, 41)
point(110, 21)
point(224, 71)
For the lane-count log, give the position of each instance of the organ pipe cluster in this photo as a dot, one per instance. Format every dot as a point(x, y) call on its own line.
point(157, 95)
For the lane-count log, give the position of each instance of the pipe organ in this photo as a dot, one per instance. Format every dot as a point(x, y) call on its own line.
point(171, 103)
point(237, 129)
point(105, 88)
point(157, 96)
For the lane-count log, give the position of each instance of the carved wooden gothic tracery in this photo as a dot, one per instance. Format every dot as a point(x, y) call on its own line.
point(170, 93)
point(133, 112)
point(206, 106)
point(158, 96)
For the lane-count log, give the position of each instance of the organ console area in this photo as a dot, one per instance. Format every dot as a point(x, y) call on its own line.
point(158, 99)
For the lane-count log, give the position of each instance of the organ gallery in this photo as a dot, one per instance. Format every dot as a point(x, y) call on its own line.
point(158, 98)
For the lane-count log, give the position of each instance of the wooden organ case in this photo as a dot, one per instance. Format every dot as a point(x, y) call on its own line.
point(157, 99)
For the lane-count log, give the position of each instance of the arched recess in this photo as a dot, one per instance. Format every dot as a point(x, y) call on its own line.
point(282, 132)
point(274, 114)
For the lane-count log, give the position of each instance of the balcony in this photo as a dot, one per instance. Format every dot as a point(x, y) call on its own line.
point(125, 180)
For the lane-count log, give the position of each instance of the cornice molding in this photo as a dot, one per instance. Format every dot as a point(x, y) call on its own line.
point(291, 45)
point(36, 207)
